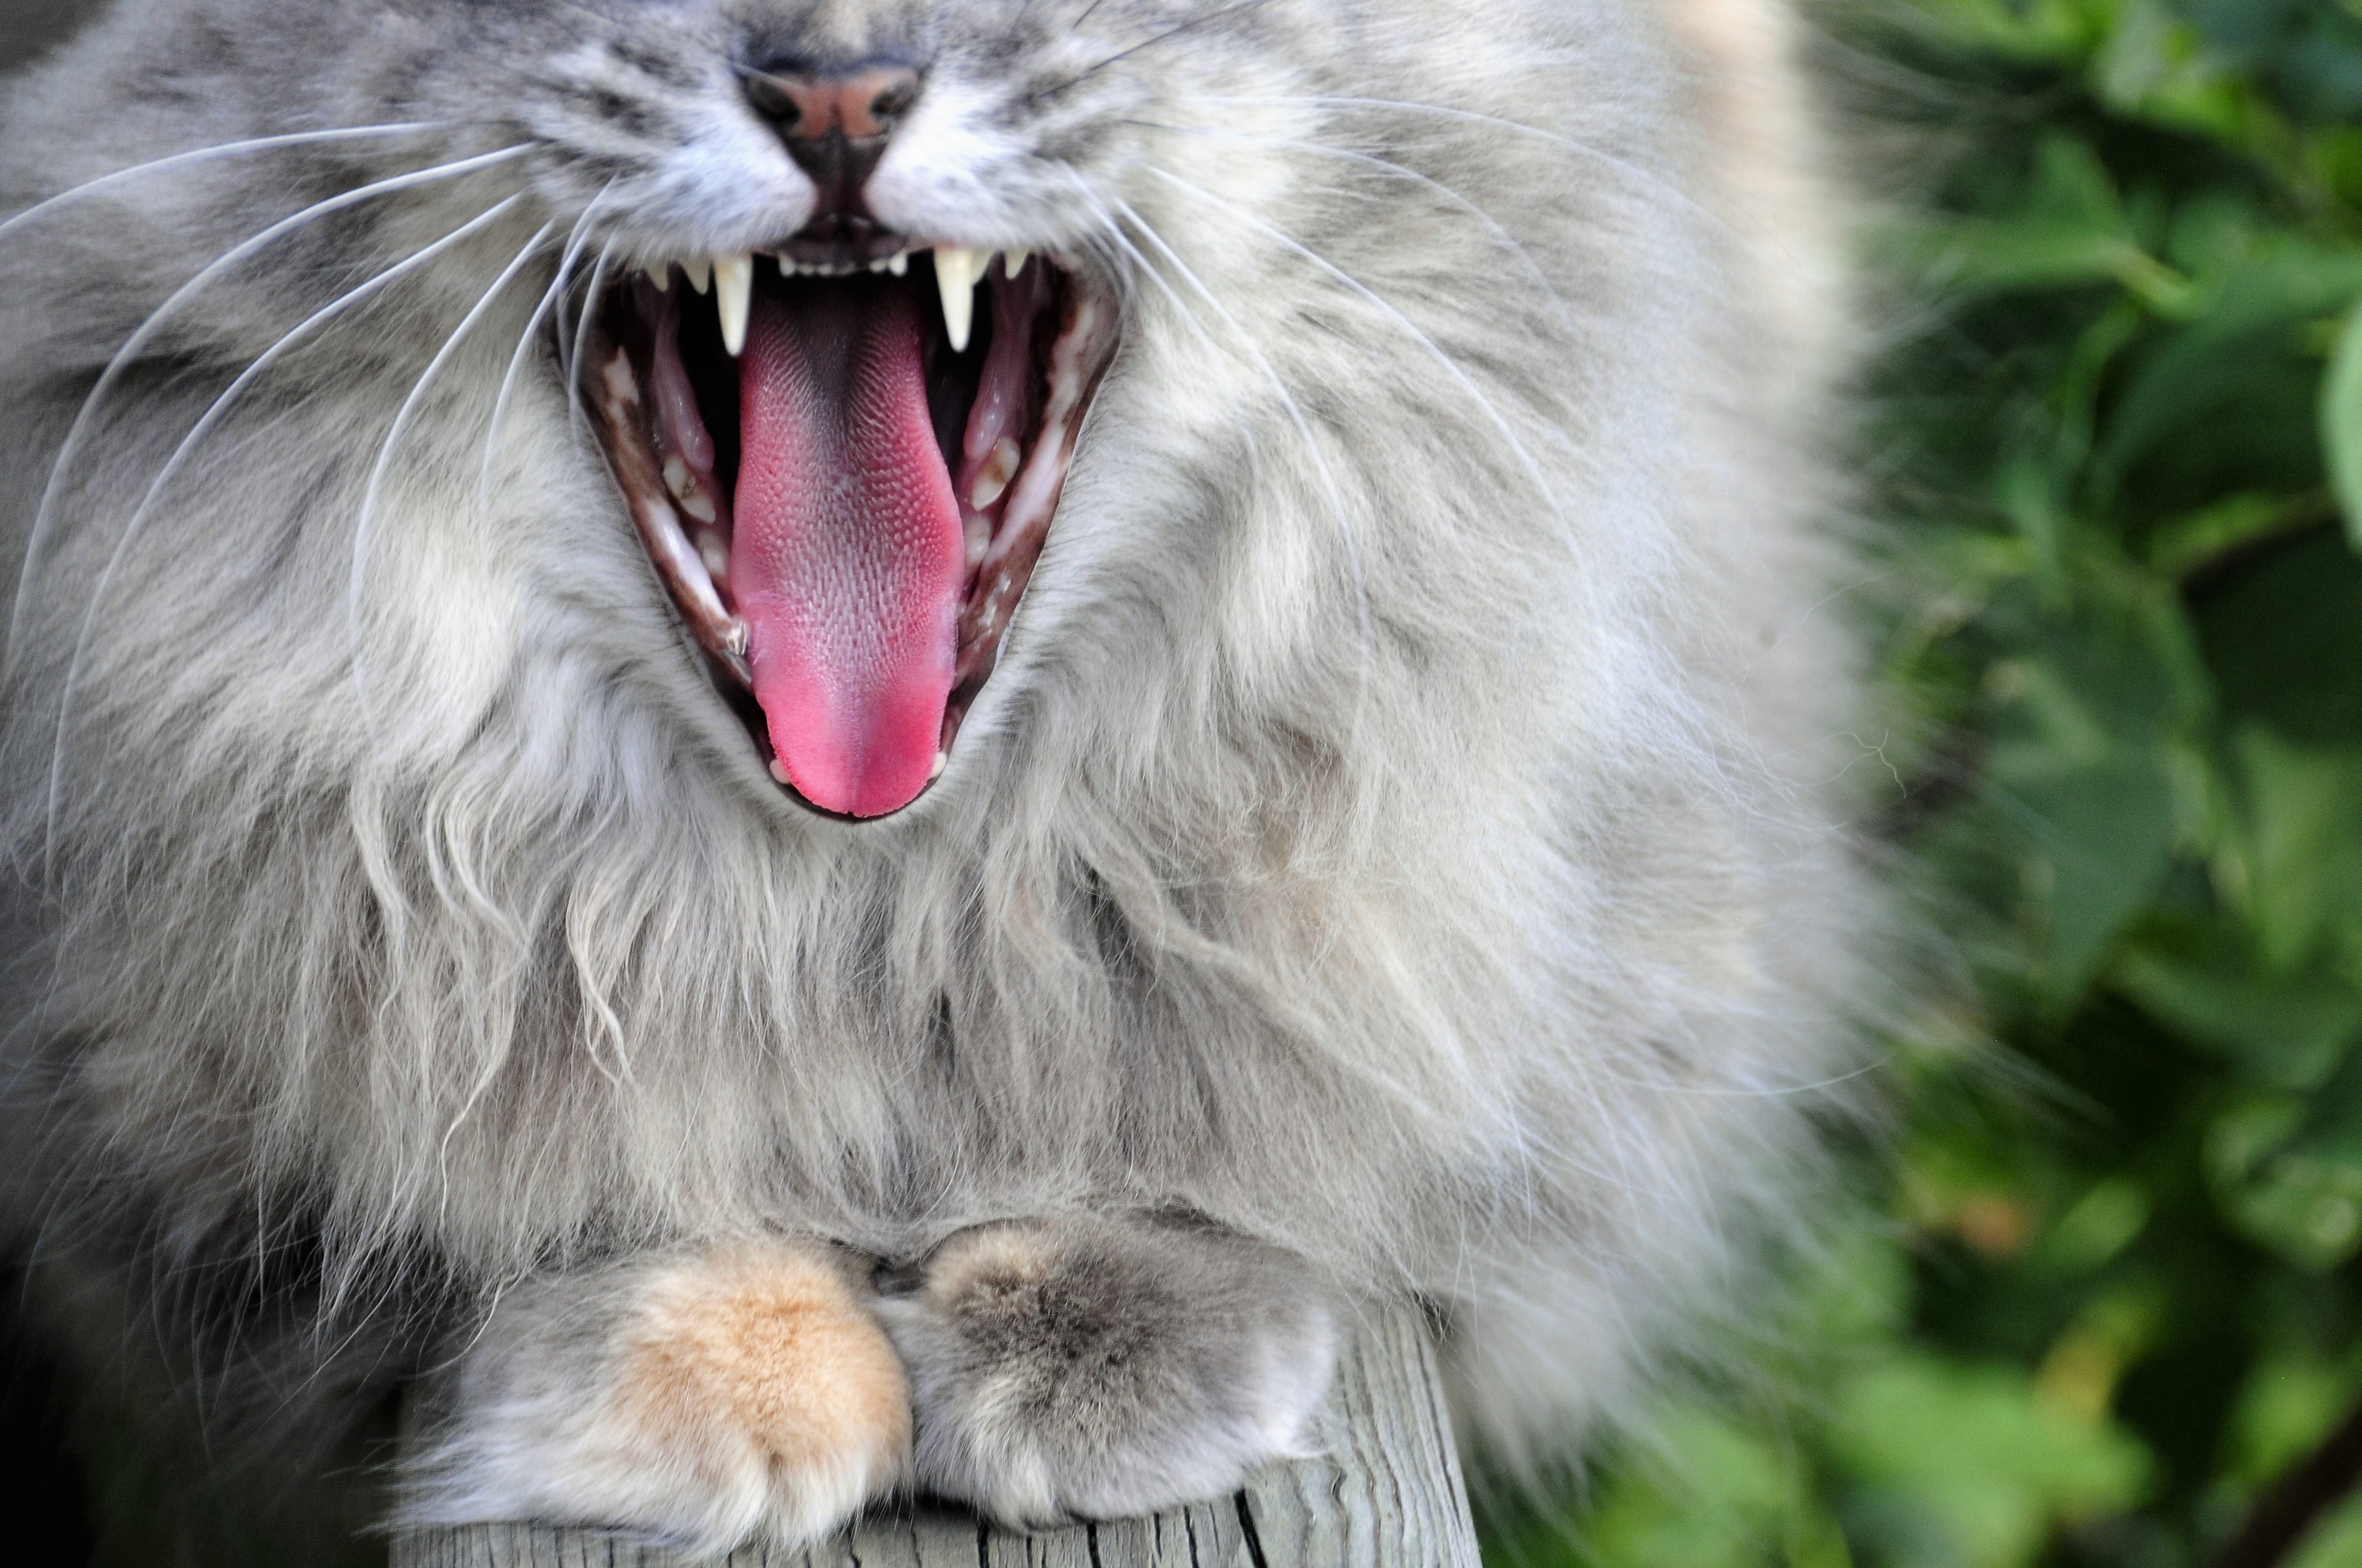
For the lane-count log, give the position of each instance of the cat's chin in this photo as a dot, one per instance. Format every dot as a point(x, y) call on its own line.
point(844, 473)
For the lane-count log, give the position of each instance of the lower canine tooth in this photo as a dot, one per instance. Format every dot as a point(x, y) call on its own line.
point(957, 271)
point(992, 480)
point(733, 293)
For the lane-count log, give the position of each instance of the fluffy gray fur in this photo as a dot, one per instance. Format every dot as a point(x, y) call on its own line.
point(1405, 831)
point(1068, 1370)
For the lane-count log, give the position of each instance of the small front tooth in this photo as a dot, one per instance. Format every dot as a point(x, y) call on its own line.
point(943, 760)
point(899, 263)
point(957, 271)
point(676, 478)
point(734, 294)
point(700, 275)
point(661, 276)
point(1014, 263)
point(992, 480)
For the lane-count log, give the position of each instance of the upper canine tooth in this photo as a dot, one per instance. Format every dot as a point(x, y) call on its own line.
point(957, 268)
point(700, 273)
point(734, 294)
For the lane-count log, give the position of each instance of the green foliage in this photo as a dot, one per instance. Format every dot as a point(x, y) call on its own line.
point(2109, 1289)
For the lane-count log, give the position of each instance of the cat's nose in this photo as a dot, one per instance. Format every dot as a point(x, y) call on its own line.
point(837, 125)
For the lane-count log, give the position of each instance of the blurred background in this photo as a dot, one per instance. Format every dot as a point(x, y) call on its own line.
point(2092, 1298)
point(2101, 1294)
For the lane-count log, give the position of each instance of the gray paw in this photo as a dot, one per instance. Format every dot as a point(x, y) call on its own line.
point(1102, 1369)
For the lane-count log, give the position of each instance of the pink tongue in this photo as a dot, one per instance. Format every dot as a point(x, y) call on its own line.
point(848, 560)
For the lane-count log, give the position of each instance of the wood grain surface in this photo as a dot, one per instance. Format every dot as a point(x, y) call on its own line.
point(1387, 1493)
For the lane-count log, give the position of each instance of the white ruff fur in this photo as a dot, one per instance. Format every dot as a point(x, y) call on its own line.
point(1406, 827)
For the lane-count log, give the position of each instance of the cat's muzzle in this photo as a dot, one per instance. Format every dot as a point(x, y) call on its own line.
point(844, 473)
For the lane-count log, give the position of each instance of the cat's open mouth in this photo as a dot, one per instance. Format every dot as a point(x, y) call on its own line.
point(843, 474)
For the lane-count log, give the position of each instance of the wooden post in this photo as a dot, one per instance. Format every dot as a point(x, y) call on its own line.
point(1387, 1494)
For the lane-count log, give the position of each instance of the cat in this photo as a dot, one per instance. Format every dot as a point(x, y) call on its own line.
point(757, 752)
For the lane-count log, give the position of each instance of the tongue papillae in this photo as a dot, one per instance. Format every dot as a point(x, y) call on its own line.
point(847, 562)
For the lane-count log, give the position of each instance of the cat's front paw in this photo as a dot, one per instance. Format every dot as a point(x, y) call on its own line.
point(709, 1400)
point(1102, 1369)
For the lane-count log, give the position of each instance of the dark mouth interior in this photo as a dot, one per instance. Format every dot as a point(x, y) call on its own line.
point(672, 406)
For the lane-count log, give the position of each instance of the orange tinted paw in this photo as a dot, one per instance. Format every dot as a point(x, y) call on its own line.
point(747, 1394)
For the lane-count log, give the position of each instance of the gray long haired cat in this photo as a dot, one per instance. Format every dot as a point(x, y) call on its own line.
point(782, 748)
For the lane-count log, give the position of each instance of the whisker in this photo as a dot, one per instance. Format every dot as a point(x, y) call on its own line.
point(1146, 268)
point(45, 514)
point(401, 428)
point(1190, 26)
point(1623, 165)
point(582, 323)
point(202, 154)
point(1451, 366)
point(1311, 447)
point(1492, 224)
point(189, 444)
point(550, 297)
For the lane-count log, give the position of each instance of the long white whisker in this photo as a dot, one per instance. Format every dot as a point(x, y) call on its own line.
point(1401, 170)
point(1138, 261)
point(1145, 268)
point(549, 298)
point(189, 444)
point(203, 154)
point(1623, 165)
point(1451, 366)
point(582, 333)
point(1311, 447)
point(401, 428)
point(129, 353)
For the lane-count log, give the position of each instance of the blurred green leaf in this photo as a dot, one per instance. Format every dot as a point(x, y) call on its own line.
point(2240, 335)
point(2341, 423)
point(2080, 764)
point(2303, 836)
point(1983, 1467)
point(2286, 1031)
point(2112, 1283)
